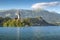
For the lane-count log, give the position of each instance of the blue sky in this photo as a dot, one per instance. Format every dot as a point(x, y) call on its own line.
point(27, 4)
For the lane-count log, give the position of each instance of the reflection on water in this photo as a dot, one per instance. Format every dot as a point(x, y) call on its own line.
point(40, 33)
point(18, 33)
point(8, 34)
point(30, 33)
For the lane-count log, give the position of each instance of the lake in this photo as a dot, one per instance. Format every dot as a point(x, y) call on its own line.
point(30, 33)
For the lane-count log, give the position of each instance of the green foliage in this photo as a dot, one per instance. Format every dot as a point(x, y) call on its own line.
point(27, 22)
point(16, 23)
point(1, 21)
point(7, 18)
point(13, 23)
point(8, 22)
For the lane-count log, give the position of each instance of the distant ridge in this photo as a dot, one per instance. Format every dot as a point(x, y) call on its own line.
point(50, 17)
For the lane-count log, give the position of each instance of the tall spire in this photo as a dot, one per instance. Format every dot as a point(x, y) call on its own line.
point(18, 14)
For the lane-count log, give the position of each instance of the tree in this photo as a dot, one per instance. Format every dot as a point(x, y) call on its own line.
point(27, 22)
point(13, 23)
point(1, 21)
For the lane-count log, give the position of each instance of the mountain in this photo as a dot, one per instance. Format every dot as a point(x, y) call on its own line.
point(50, 17)
point(39, 21)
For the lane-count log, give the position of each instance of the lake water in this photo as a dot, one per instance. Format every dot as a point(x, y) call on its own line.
point(30, 33)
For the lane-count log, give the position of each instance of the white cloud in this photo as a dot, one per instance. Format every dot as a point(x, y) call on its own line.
point(45, 4)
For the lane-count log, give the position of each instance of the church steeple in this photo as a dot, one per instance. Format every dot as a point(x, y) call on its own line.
point(18, 14)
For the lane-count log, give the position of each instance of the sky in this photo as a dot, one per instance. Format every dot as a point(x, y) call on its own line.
point(50, 5)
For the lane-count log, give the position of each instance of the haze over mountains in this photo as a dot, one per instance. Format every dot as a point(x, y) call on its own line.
point(50, 17)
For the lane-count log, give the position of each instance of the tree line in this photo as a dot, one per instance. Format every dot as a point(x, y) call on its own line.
point(9, 22)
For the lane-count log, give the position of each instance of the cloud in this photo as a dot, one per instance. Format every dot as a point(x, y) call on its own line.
point(45, 4)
